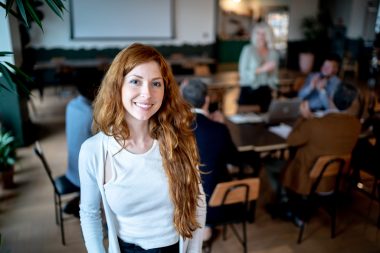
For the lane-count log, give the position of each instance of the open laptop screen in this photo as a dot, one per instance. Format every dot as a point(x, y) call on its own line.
point(283, 110)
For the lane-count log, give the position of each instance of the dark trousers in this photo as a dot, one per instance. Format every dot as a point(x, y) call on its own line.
point(126, 247)
point(261, 96)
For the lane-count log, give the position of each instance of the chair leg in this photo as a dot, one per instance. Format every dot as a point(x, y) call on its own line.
point(224, 232)
point(302, 227)
point(61, 221)
point(373, 197)
point(378, 196)
point(252, 212)
point(56, 208)
point(333, 222)
point(244, 236)
point(300, 219)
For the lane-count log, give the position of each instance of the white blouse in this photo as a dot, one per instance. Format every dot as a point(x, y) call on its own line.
point(138, 195)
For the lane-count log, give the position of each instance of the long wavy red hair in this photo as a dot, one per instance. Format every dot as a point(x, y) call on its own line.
point(171, 126)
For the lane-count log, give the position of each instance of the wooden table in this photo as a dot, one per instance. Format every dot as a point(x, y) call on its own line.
point(255, 137)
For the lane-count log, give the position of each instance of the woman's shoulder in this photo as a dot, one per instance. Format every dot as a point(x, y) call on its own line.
point(248, 48)
point(95, 141)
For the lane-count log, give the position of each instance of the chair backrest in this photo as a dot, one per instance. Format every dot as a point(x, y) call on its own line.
point(39, 152)
point(237, 191)
point(329, 166)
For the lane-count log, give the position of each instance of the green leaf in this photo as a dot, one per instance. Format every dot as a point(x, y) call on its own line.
point(19, 71)
point(33, 14)
point(54, 7)
point(11, 160)
point(9, 6)
point(7, 76)
point(15, 14)
point(60, 4)
point(5, 86)
point(5, 53)
point(20, 6)
point(19, 82)
point(7, 148)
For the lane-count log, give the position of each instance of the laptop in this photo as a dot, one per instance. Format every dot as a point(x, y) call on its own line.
point(282, 110)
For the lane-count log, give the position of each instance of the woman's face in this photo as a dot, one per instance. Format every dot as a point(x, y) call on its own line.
point(143, 91)
point(260, 37)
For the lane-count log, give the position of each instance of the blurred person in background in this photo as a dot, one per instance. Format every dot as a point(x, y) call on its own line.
point(258, 69)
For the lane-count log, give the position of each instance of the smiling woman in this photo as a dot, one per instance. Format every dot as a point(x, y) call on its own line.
point(143, 162)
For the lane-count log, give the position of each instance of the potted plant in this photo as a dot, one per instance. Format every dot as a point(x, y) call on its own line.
point(7, 158)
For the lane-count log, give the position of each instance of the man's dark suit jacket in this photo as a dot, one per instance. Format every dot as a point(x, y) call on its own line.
point(216, 149)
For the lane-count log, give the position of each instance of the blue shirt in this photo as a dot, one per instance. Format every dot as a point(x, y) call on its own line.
point(319, 99)
point(78, 129)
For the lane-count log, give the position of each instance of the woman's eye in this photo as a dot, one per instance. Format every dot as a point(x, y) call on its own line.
point(157, 84)
point(134, 81)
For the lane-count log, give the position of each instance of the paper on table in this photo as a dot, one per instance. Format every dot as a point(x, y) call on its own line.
point(246, 118)
point(282, 130)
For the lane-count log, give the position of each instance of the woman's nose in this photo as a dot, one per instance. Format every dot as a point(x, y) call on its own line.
point(145, 90)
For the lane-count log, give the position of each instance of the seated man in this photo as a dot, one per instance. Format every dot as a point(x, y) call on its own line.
point(319, 87)
point(334, 133)
point(78, 128)
point(215, 145)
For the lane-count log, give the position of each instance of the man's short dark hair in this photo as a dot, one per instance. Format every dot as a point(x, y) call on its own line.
point(195, 92)
point(334, 57)
point(344, 95)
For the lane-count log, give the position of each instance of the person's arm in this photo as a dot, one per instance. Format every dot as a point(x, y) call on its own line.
point(266, 67)
point(270, 65)
point(246, 68)
point(308, 87)
point(90, 197)
point(326, 92)
point(324, 98)
point(195, 243)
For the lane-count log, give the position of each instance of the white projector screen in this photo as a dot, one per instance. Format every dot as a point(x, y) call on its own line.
point(121, 19)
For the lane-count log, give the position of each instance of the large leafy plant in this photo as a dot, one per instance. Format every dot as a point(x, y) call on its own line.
point(26, 11)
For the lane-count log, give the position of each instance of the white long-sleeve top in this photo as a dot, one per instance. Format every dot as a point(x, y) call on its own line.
point(92, 160)
point(138, 194)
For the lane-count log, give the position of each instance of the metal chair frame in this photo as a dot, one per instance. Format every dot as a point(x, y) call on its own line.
point(239, 191)
point(324, 165)
point(57, 193)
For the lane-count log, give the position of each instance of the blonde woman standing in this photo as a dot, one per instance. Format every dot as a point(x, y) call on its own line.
point(258, 68)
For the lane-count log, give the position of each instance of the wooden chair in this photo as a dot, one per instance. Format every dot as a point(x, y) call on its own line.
point(234, 198)
point(62, 186)
point(333, 166)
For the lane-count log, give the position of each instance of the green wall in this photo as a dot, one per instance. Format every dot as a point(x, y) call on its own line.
point(229, 50)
